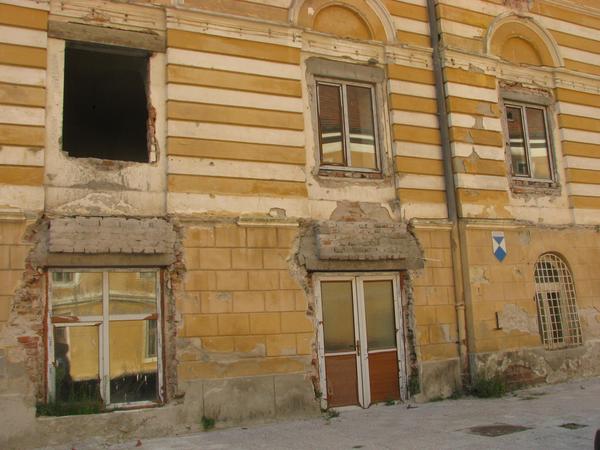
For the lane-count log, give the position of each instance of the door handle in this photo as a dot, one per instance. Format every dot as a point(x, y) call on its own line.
point(358, 347)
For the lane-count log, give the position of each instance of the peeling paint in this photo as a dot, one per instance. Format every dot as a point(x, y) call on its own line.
point(99, 204)
point(478, 275)
point(590, 321)
point(513, 318)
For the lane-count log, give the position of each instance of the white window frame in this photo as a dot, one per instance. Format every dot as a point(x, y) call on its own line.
point(362, 366)
point(343, 84)
point(523, 106)
point(103, 322)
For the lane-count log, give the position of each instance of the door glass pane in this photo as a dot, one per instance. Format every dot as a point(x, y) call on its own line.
point(338, 316)
point(362, 131)
point(132, 292)
point(77, 376)
point(538, 143)
point(379, 310)
point(76, 294)
point(516, 135)
point(133, 377)
point(330, 124)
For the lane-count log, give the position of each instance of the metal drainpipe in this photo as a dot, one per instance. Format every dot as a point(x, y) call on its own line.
point(457, 244)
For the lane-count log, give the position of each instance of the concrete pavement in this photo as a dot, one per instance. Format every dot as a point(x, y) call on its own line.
point(563, 416)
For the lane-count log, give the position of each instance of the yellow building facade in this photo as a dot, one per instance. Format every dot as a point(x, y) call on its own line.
point(247, 210)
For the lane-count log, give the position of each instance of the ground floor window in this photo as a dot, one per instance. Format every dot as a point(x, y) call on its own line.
point(104, 337)
point(558, 318)
point(361, 345)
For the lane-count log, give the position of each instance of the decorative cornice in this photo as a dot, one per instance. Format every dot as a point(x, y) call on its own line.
point(535, 76)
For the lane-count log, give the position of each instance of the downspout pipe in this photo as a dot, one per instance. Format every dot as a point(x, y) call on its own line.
point(457, 244)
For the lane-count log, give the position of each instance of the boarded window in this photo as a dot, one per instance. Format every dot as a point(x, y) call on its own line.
point(558, 318)
point(105, 103)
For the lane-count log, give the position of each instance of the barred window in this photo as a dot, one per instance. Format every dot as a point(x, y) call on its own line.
point(558, 319)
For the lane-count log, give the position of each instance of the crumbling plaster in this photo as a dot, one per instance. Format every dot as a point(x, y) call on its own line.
point(102, 187)
point(535, 365)
point(370, 223)
point(23, 345)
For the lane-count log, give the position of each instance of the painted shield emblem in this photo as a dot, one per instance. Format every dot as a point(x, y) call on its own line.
point(499, 245)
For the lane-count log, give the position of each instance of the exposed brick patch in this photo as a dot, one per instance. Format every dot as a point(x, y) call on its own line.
point(351, 241)
point(92, 235)
point(23, 335)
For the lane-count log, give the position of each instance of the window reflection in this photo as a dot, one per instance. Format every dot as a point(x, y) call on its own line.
point(529, 145)
point(379, 310)
point(133, 378)
point(129, 363)
point(132, 292)
point(362, 132)
point(346, 125)
point(517, 141)
point(76, 364)
point(76, 294)
point(330, 124)
point(338, 316)
point(538, 143)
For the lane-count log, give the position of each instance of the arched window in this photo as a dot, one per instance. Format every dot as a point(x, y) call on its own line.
point(558, 319)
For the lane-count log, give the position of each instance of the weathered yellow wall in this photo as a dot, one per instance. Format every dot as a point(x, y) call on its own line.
point(434, 301)
point(508, 287)
point(242, 313)
point(236, 115)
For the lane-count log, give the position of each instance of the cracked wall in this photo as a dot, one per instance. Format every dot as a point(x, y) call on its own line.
point(30, 247)
point(504, 312)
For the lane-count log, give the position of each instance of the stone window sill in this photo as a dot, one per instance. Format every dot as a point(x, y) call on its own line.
point(350, 174)
point(526, 186)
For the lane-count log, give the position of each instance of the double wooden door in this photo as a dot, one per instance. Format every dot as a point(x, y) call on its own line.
point(360, 344)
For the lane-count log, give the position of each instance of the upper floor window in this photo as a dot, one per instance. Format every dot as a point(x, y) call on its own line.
point(347, 131)
point(528, 141)
point(105, 102)
point(558, 318)
point(348, 116)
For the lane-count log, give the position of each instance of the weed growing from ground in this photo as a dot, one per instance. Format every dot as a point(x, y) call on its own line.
point(494, 387)
point(330, 413)
point(59, 408)
point(208, 423)
point(414, 387)
point(456, 395)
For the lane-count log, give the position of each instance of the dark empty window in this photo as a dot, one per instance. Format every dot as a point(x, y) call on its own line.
point(105, 103)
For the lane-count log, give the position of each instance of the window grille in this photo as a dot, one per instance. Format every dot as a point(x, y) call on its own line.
point(558, 319)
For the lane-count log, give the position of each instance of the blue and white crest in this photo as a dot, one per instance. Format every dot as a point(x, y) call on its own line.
point(499, 245)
